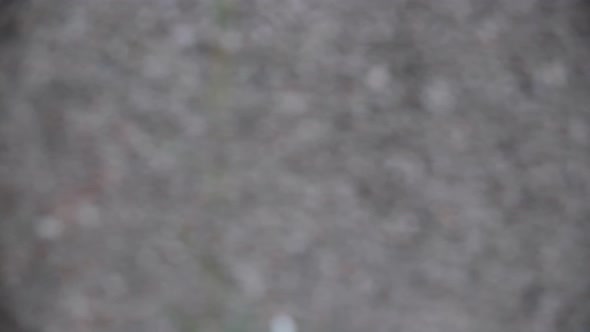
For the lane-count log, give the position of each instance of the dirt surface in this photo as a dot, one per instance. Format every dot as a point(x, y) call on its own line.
point(376, 165)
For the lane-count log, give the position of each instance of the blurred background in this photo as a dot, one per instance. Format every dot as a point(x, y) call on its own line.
point(295, 165)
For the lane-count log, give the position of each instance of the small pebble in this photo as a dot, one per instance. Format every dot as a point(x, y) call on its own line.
point(438, 96)
point(50, 228)
point(283, 323)
point(552, 74)
point(378, 78)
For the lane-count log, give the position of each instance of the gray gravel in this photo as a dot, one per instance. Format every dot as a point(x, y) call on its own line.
point(344, 165)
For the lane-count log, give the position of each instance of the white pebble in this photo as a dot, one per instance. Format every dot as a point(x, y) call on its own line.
point(378, 78)
point(552, 74)
point(438, 96)
point(283, 323)
point(50, 228)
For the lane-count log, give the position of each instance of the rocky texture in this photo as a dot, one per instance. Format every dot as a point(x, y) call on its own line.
point(377, 165)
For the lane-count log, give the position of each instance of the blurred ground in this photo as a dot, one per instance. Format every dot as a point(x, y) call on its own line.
point(377, 165)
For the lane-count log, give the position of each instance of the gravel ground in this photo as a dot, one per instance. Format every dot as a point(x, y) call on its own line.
point(343, 165)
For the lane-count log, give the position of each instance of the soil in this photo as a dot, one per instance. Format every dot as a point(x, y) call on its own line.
point(377, 165)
